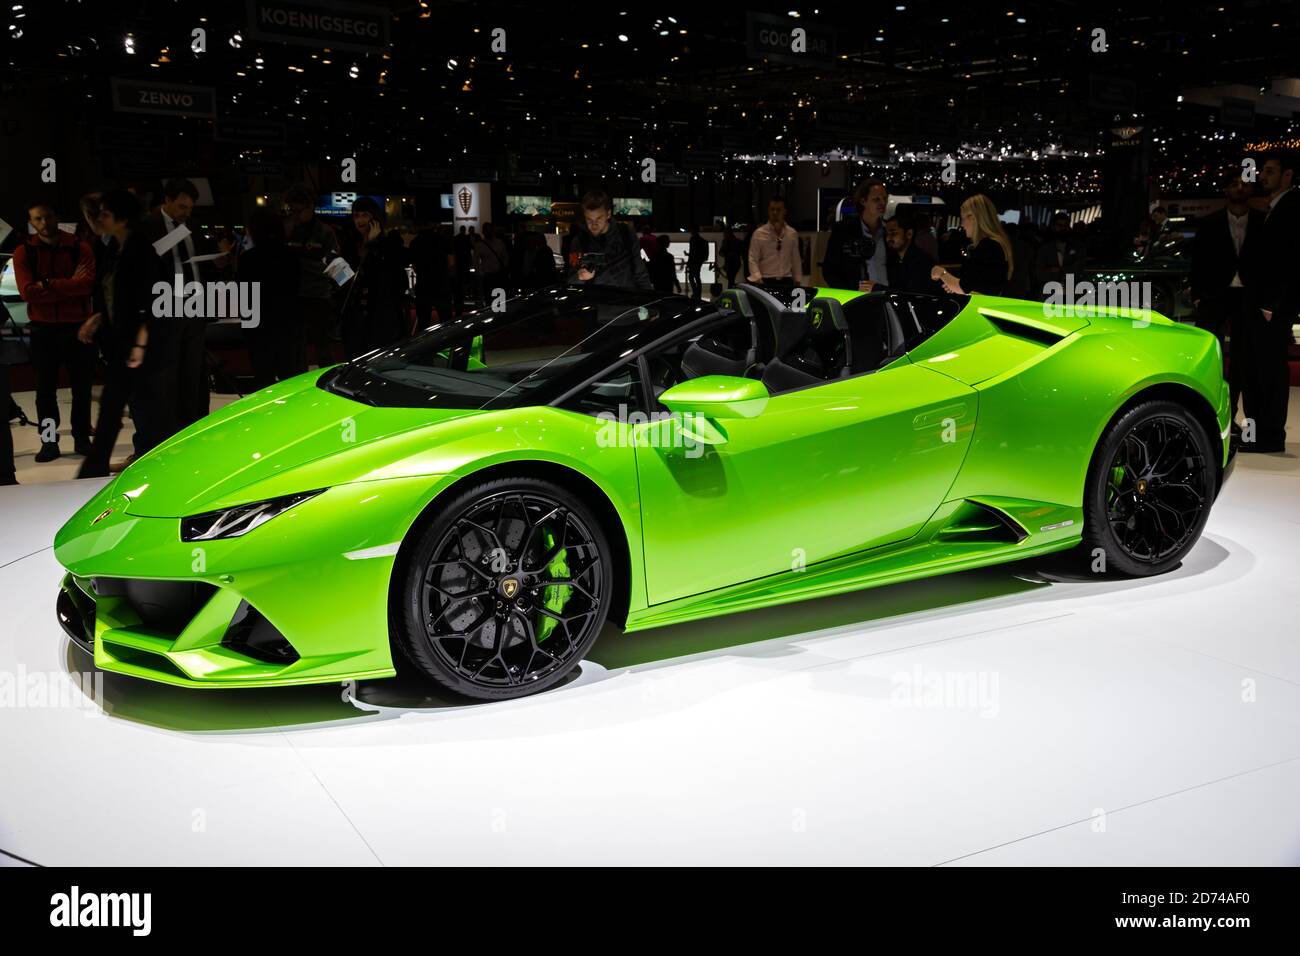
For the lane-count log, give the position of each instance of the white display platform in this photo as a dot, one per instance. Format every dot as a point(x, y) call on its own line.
point(1120, 722)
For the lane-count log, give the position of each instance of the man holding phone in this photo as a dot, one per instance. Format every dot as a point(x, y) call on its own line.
point(605, 252)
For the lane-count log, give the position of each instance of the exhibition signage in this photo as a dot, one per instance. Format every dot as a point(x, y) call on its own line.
point(775, 38)
point(842, 119)
point(340, 203)
point(528, 205)
point(477, 166)
point(260, 167)
point(471, 205)
point(114, 139)
point(428, 176)
point(632, 206)
point(1111, 93)
point(163, 99)
point(248, 132)
point(320, 23)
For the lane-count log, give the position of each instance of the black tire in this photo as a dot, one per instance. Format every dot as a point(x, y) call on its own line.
point(1149, 490)
point(460, 622)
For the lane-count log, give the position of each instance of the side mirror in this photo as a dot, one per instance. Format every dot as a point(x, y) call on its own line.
point(717, 396)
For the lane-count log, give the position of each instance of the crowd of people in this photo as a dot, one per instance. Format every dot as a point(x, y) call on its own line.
point(92, 294)
point(92, 299)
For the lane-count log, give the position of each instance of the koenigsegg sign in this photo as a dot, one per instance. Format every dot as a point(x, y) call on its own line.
point(322, 23)
point(163, 99)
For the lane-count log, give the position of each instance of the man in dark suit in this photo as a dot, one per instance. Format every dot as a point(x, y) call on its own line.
point(1061, 254)
point(179, 395)
point(908, 264)
point(1220, 252)
point(1273, 294)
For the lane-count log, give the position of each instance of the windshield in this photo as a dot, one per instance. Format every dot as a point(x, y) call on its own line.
point(526, 354)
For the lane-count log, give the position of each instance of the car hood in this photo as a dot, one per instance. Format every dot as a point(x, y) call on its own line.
point(287, 438)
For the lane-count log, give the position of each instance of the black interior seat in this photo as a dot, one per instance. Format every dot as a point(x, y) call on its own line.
point(831, 338)
point(876, 334)
point(709, 357)
point(764, 309)
point(792, 368)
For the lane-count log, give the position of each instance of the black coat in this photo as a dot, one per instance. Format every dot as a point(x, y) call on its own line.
point(1048, 266)
point(984, 269)
point(128, 297)
point(1274, 282)
point(912, 272)
point(1214, 258)
point(840, 270)
point(276, 269)
point(622, 265)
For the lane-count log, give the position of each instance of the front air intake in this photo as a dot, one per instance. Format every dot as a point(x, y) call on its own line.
point(254, 636)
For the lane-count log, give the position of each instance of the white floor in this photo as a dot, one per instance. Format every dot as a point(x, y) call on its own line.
point(1113, 722)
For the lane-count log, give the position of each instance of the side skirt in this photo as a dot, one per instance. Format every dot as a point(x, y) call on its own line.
point(949, 542)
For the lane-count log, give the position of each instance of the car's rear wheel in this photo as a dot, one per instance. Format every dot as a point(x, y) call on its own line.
point(1149, 490)
point(505, 590)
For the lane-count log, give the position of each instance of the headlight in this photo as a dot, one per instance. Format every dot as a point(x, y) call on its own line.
point(241, 519)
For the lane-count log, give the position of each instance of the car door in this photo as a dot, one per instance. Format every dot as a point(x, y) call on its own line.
point(819, 472)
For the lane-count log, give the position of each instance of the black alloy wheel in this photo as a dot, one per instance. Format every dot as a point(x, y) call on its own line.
point(1150, 488)
point(507, 590)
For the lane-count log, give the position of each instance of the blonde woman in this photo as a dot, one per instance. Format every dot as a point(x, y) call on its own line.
point(988, 262)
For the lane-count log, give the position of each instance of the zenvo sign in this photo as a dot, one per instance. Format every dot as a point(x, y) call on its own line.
point(320, 23)
point(172, 99)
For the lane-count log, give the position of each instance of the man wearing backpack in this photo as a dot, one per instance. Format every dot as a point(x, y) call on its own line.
point(55, 272)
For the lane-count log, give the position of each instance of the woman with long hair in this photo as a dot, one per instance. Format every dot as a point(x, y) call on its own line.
point(989, 260)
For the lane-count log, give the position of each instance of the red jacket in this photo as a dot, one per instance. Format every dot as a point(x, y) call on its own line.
point(55, 281)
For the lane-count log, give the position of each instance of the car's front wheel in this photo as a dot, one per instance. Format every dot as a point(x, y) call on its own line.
point(505, 590)
point(1149, 490)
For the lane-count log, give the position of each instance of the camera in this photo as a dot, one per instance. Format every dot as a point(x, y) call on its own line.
point(591, 261)
point(861, 248)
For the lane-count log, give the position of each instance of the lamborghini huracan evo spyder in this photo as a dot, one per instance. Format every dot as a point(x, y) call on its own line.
point(477, 502)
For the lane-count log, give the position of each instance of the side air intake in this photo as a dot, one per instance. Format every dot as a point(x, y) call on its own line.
point(979, 523)
point(1021, 330)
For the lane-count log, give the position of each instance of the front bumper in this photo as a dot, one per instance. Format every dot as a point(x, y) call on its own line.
point(302, 599)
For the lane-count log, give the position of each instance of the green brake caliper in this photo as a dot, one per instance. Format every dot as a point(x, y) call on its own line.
point(1117, 473)
point(554, 596)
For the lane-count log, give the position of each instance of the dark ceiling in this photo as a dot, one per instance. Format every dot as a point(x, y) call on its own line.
point(683, 85)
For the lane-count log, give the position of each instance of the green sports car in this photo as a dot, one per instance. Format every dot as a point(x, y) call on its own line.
point(475, 503)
